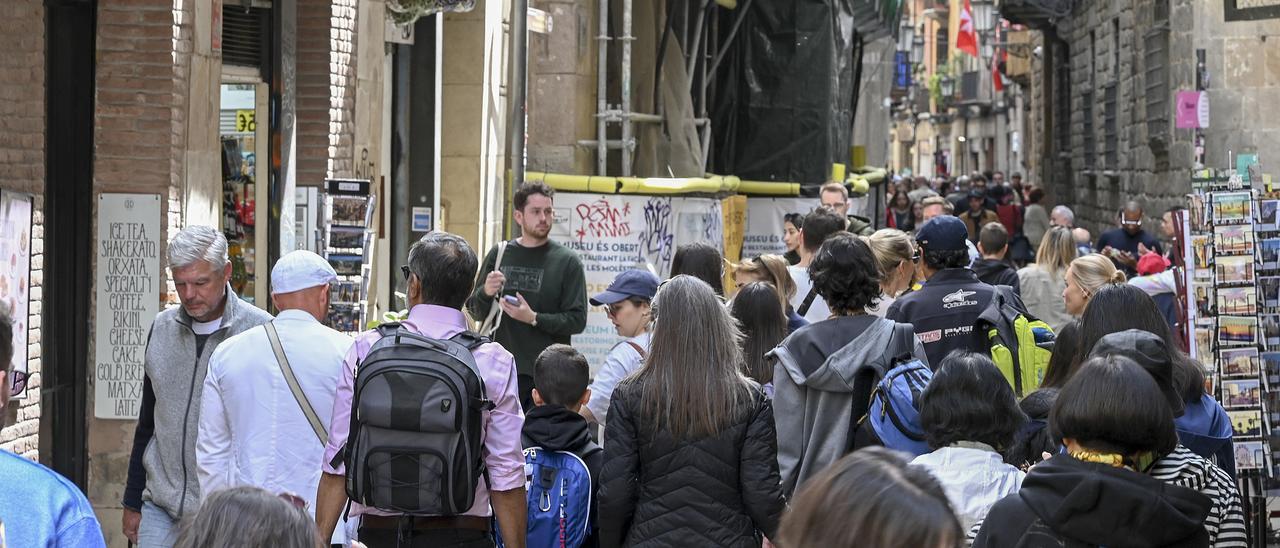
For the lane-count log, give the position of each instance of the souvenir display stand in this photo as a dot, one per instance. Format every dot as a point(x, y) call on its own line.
point(1231, 288)
point(347, 243)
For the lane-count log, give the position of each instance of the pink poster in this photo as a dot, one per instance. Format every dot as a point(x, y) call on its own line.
point(1192, 110)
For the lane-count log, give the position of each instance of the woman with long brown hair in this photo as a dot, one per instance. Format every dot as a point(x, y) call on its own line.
point(690, 446)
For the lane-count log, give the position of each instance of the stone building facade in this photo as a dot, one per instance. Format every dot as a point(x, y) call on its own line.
point(1103, 89)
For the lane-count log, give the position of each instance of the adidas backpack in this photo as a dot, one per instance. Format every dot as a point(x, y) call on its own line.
point(1020, 345)
point(558, 486)
point(416, 424)
point(894, 410)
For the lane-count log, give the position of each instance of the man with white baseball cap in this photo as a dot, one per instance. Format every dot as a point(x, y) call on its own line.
point(264, 416)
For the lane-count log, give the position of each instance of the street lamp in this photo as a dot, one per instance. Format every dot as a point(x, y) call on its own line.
point(948, 87)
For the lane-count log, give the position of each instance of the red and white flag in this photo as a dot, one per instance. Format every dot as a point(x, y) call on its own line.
point(967, 36)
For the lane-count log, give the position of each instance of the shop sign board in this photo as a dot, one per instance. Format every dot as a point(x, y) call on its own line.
point(128, 246)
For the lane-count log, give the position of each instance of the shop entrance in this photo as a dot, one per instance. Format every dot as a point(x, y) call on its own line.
point(244, 182)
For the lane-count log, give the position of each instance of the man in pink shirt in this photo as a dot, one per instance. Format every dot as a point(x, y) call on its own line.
point(440, 275)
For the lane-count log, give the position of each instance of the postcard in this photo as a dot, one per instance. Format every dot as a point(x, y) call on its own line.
point(1238, 362)
point(1271, 330)
point(1234, 270)
point(1233, 240)
point(1270, 290)
point(1267, 215)
point(350, 210)
point(1247, 423)
point(1270, 249)
point(1241, 393)
point(1239, 301)
point(1250, 455)
point(1232, 207)
point(1237, 331)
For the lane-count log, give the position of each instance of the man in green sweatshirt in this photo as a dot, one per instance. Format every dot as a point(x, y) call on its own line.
point(541, 284)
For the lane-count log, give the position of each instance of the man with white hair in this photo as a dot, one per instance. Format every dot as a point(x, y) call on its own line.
point(162, 485)
point(264, 414)
point(1062, 216)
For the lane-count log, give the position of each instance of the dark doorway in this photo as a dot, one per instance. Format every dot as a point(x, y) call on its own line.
point(70, 38)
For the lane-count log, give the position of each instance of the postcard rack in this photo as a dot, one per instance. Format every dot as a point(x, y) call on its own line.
point(1233, 309)
point(347, 240)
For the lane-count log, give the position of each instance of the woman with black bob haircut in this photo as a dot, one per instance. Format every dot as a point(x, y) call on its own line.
point(871, 499)
point(970, 415)
point(1202, 424)
point(1097, 494)
point(820, 371)
point(702, 261)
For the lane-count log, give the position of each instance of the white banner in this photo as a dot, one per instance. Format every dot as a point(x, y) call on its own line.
point(128, 277)
point(616, 233)
point(765, 224)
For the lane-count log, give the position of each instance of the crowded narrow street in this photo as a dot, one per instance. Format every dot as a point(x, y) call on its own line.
point(651, 273)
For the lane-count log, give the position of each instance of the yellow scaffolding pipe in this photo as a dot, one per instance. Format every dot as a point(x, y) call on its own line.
point(859, 182)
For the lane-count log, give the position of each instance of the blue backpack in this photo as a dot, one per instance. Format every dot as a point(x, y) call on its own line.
point(559, 489)
point(894, 410)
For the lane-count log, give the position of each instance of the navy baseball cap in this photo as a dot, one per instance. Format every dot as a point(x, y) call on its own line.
point(943, 233)
point(632, 283)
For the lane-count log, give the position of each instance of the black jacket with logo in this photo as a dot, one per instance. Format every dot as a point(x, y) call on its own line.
point(944, 312)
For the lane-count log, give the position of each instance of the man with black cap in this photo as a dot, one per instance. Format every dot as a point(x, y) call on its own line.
point(978, 215)
point(1184, 467)
point(945, 310)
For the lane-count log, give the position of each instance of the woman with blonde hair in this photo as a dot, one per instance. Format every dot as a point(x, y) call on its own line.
point(1085, 277)
point(1043, 281)
point(896, 259)
point(772, 269)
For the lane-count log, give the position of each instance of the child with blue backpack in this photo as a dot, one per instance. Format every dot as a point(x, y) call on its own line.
point(561, 461)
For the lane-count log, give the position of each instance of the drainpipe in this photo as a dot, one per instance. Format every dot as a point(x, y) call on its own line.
point(628, 142)
point(602, 91)
point(520, 87)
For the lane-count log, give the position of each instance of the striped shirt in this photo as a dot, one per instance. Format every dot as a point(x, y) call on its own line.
point(1225, 523)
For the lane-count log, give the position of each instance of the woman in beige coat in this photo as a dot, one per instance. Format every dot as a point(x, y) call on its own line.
point(1043, 281)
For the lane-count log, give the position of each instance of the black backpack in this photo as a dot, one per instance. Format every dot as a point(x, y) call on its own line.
point(416, 424)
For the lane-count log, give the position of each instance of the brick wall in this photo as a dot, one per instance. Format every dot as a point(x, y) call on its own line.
point(139, 136)
point(326, 89)
point(22, 135)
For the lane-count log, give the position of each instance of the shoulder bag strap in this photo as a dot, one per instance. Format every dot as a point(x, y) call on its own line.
point(638, 349)
point(298, 394)
point(494, 319)
point(808, 302)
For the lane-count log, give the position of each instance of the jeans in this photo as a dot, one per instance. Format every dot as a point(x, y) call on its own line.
point(433, 538)
point(157, 529)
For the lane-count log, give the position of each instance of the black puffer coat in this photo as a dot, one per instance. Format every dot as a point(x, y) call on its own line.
point(720, 491)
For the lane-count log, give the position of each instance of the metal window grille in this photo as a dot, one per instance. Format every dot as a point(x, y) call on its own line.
point(1089, 141)
point(1111, 135)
